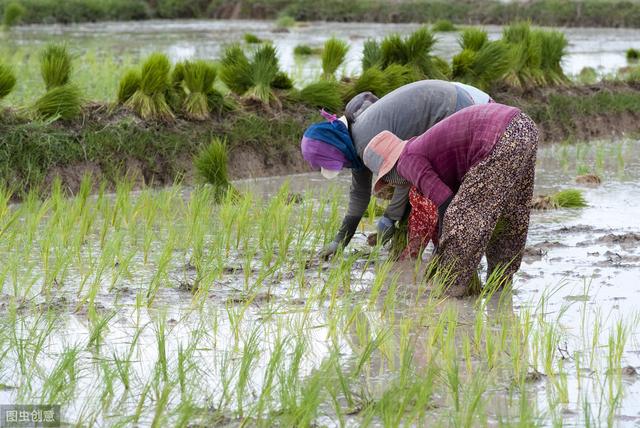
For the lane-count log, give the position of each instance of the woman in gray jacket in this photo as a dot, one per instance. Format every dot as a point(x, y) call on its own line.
point(407, 112)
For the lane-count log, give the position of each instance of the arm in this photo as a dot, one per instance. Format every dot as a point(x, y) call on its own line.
point(398, 203)
point(359, 197)
point(418, 171)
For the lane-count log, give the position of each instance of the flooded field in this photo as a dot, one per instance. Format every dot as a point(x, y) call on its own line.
point(163, 308)
point(105, 50)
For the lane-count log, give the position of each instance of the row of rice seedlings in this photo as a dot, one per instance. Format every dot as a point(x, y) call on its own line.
point(445, 376)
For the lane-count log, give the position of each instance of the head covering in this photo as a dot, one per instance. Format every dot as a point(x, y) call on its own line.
point(335, 134)
point(322, 155)
point(381, 155)
point(358, 104)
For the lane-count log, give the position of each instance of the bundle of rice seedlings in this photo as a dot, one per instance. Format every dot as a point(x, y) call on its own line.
point(251, 39)
point(284, 22)
point(569, 198)
point(526, 55)
point(371, 54)
point(13, 13)
point(414, 50)
point(282, 81)
point(322, 94)
point(443, 25)
point(633, 54)
point(302, 50)
point(252, 79)
point(129, 84)
point(7, 81)
point(264, 68)
point(371, 80)
point(333, 55)
point(482, 68)
point(554, 48)
point(149, 101)
point(55, 66)
point(397, 75)
point(473, 39)
point(64, 102)
point(211, 167)
point(198, 80)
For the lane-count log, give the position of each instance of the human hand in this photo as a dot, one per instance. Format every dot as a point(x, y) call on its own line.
point(329, 250)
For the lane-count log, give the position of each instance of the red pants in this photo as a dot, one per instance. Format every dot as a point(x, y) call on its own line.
point(423, 224)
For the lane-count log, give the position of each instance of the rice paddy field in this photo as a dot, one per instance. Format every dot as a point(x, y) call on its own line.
point(164, 308)
point(190, 307)
point(102, 51)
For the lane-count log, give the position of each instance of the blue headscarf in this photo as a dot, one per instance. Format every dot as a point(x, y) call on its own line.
point(336, 134)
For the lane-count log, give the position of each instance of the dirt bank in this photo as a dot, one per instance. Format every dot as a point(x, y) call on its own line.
point(111, 144)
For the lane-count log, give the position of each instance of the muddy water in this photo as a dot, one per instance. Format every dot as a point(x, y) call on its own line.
point(603, 49)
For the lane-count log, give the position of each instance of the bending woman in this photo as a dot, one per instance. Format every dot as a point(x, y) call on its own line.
point(408, 111)
point(477, 166)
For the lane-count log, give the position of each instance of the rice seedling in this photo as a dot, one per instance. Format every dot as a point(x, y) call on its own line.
point(413, 50)
point(371, 54)
point(633, 54)
point(473, 39)
point(443, 26)
point(7, 81)
point(253, 79)
point(129, 84)
point(569, 198)
point(149, 101)
point(64, 102)
point(284, 22)
point(554, 47)
point(482, 68)
point(334, 53)
point(194, 82)
point(13, 13)
point(55, 66)
point(306, 50)
point(211, 165)
point(322, 94)
point(251, 39)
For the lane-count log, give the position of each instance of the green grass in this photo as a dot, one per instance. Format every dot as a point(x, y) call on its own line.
point(333, 55)
point(633, 54)
point(285, 22)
